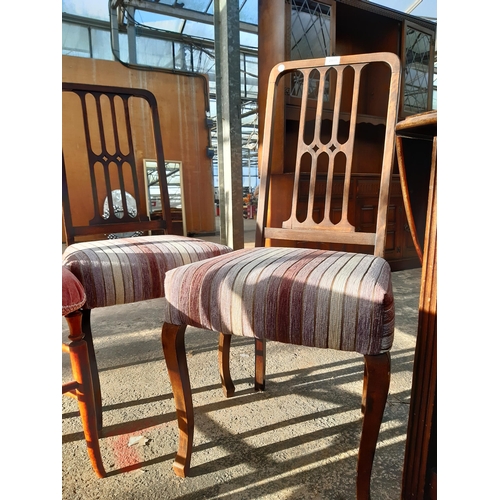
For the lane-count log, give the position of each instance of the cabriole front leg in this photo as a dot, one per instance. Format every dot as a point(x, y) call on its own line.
point(175, 356)
point(377, 376)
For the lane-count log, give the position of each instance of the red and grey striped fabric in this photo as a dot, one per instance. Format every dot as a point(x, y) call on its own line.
point(73, 294)
point(129, 270)
point(315, 298)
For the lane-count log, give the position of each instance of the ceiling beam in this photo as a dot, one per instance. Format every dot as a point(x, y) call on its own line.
point(178, 12)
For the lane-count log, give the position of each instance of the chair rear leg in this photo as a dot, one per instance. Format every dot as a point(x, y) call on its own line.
point(84, 392)
point(175, 356)
point(260, 364)
point(93, 366)
point(377, 377)
point(363, 397)
point(225, 375)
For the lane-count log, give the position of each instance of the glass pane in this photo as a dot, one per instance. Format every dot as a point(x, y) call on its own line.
point(249, 83)
point(249, 11)
point(154, 52)
point(75, 40)
point(310, 33)
point(198, 5)
point(249, 39)
point(174, 183)
point(199, 30)
point(310, 26)
point(94, 10)
point(203, 61)
point(182, 56)
point(173, 171)
point(101, 44)
point(434, 93)
point(123, 43)
point(416, 74)
point(159, 21)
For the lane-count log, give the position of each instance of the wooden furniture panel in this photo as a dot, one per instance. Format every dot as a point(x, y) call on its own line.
point(420, 466)
point(399, 249)
point(355, 27)
point(358, 30)
point(182, 100)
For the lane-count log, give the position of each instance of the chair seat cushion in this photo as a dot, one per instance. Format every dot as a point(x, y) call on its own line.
point(73, 294)
point(126, 270)
point(308, 297)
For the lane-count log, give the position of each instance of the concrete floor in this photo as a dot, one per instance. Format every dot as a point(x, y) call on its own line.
point(297, 440)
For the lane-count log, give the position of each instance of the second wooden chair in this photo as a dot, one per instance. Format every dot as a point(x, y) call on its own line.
point(114, 126)
point(285, 289)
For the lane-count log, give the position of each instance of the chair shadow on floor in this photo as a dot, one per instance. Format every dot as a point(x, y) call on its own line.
point(320, 382)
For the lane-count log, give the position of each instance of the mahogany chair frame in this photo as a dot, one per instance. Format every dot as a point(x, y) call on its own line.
point(306, 229)
point(107, 113)
point(117, 153)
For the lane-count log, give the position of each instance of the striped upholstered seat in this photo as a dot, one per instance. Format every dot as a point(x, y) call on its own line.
point(122, 271)
point(307, 297)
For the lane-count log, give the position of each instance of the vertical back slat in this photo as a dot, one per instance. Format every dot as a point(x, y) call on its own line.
point(120, 157)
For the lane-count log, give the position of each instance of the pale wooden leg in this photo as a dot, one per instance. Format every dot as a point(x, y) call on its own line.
point(375, 389)
point(82, 389)
point(225, 375)
point(175, 356)
point(260, 364)
point(87, 331)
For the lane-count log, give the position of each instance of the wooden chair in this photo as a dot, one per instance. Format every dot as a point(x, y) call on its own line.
point(105, 131)
point(73, 299)
point(285, 289)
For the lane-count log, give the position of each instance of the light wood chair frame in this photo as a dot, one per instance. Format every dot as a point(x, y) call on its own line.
point(308, 230)
point(377, 367)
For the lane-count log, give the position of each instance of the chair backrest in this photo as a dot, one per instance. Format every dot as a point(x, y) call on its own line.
point(311, 163)
point(107, 133)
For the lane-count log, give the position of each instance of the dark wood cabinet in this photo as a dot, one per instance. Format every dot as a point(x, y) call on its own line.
point(400, 251)
point(299, 29)
point(417, 157)
point(399, 248)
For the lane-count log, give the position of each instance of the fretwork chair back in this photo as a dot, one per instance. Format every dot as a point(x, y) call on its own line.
point(286, 289)
point(73, 299)
point(107, 133)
